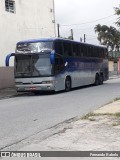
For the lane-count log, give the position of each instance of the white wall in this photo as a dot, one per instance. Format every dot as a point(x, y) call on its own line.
point(33, 19)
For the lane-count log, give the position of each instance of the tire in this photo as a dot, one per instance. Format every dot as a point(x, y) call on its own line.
point(97, 80)
point(101, 79)
point(67, 84)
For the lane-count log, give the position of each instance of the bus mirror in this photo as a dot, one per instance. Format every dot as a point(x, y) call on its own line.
point(8, 58)
point(52, 57)
point(66, 63)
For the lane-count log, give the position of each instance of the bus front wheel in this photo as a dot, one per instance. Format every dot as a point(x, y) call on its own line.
point(67, 84)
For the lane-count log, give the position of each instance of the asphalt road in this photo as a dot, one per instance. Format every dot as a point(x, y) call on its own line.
point(22, 117)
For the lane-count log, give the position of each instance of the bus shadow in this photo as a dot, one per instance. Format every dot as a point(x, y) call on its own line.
point(48, 93)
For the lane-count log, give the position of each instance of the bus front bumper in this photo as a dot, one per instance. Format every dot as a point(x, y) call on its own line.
point(33, 88)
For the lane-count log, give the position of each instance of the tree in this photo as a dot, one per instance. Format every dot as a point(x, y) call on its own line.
point(108, 36)
point(117, 12)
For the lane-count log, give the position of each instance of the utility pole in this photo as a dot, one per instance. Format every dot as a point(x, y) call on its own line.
point(84, 38)
point(71, 34)
point(58, 29)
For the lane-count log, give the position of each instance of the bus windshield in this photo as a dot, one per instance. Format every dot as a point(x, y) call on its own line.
point(37, 65)
point(34, 47)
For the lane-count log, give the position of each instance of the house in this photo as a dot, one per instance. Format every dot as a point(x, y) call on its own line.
point(22, 20)
point(114, 62)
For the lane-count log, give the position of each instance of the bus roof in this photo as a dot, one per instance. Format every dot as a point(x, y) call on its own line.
point(53, 39)
point(38, 40)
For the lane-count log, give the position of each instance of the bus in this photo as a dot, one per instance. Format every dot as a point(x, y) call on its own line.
point(55, 64)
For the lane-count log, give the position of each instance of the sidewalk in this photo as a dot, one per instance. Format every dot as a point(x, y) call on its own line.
point(9, 93)
point(97, 131)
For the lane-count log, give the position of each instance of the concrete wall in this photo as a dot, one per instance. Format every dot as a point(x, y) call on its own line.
point(32, 19)
point(6, 77)
point(111, 66)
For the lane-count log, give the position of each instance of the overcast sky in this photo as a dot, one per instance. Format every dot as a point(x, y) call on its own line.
point(83, 15)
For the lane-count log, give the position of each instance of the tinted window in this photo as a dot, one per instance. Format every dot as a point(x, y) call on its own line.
point(84, 50)
point(34, 47)
point(95, 52)
point(58, 47)
point(32, 65)
point(67, 48)
point(90, 51)
point(101, 53)
point(76, 49)
point(59, 64)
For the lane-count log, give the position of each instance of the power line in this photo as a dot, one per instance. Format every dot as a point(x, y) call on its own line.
point(64, 25)
point(92, 26)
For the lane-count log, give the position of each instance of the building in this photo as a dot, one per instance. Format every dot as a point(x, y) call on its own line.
point(114, 62)
point(24, 19)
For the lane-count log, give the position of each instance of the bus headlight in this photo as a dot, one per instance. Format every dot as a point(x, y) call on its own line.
point(18, 83)
point(48, 82)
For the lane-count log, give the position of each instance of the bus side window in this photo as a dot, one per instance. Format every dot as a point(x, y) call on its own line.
point(98, 53)
point(67, 49)
point(95, 52)
point(58, 47)
point(84, 50)
point(76, 49)
point(101, 53)
point(90, 51)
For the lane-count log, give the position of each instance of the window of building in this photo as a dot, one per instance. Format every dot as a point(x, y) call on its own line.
point(10, 6)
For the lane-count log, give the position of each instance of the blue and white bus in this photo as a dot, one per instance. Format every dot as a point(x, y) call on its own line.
point(58, 64)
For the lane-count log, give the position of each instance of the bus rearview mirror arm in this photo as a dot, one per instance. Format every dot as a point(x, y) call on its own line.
point(8, 58)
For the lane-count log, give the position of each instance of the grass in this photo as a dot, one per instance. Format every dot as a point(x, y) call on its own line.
point(117, 99)
point(90, 116)
point(116, 124)
point(117, 114)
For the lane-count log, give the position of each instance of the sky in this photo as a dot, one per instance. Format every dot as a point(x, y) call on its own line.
point(83, 15)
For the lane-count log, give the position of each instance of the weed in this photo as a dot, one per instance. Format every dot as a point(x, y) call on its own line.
point(116, 99)
point(117, 114)
point(88, 115)
point(116, 124)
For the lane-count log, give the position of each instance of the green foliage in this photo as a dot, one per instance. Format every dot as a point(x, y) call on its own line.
point(117, 114)
point(117, 12)
point(109, 36)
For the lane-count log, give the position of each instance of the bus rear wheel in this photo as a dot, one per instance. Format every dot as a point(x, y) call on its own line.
point(101, 79)
point(97, 80)
point(67, 84)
